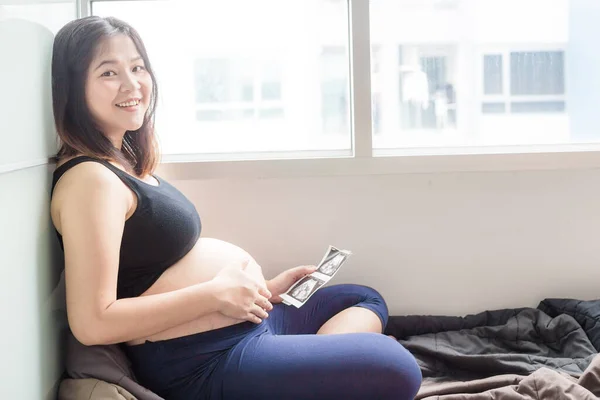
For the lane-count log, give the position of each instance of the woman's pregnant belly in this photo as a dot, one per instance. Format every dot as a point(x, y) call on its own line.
point(201, 264)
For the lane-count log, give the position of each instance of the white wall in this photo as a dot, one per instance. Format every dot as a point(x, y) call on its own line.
point(29, 339)
point(450, 243)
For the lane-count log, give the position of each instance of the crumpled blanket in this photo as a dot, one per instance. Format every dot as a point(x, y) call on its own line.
point(548, 352)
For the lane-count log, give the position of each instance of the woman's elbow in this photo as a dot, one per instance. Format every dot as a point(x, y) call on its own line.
point(88, 332)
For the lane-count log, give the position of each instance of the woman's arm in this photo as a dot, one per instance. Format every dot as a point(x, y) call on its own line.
point(92, 213)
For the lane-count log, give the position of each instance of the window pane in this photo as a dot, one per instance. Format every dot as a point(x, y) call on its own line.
point(493, 108)
point(482, 73)
point(537, 107)
point(223, 80)
point(271, 91)
point(241, 76)
point(492, 74)
point(334, 90)
point(537, 73)
point(271, 80)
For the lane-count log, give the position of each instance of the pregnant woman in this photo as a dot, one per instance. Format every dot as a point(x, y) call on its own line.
point(197, 317)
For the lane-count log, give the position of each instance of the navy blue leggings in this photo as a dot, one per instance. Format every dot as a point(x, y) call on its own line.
point(282, 358)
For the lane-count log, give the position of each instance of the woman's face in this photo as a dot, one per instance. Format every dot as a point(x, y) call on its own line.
point(118, 87)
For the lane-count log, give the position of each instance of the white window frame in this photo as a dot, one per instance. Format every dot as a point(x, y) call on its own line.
point(506, 98)
point(363, 159)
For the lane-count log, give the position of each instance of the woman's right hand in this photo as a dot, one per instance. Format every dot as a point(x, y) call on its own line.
point(240, 296)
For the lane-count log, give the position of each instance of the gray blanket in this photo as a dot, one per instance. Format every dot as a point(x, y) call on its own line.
point(503, 351)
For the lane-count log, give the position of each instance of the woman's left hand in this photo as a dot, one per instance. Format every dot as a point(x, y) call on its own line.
point(282, 282)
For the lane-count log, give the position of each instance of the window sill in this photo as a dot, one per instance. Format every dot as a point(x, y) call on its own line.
point(383, 162)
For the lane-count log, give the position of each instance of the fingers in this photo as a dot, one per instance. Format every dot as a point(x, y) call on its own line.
point(259, 286)
point(259, 312)
point(263, 291)
point(253, 318)
point(303, 270)
point(306, 269)
point(264, 303)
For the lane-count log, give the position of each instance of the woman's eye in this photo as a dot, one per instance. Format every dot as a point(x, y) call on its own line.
point(138, 68)
point(108, 73)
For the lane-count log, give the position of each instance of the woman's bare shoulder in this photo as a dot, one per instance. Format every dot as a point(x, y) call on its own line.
point(84, 174)
point(81, 181)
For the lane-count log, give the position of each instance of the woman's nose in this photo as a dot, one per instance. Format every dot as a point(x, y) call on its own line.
point(130, 83)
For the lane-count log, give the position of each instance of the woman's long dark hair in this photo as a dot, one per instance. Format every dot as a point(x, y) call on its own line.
point(74, 48)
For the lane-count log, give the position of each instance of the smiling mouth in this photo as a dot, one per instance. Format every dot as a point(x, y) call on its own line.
point(127, 104)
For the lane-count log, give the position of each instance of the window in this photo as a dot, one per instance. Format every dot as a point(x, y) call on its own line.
point(266, 76)
point(537, 82)
point(270, 77)
point(483, 73)
point(492, 74)
point(537, 73)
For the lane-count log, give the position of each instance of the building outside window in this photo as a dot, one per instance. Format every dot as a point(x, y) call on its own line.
point(444, 73)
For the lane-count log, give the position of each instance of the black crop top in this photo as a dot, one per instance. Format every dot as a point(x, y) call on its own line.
point(164, 228)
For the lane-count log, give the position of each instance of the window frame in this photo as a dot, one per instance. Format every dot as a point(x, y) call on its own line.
point(506, 97)
point(362, 159)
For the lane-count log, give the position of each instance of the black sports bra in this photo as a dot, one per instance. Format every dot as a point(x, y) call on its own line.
point(164, 228)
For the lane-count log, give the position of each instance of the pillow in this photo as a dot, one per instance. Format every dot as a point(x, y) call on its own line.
point(108, 363)
point(91, 389)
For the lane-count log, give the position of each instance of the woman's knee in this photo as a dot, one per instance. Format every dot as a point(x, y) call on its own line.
point(353, 295)
point(400, 371)
point(374, 366)
point(374, 301)
point(408, 374)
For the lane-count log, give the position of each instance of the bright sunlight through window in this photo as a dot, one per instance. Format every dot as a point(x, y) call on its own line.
point(246, 76)
point(260, 76)
point(452, 73)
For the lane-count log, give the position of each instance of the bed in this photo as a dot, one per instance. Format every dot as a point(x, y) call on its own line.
point(542, 353)
point(547, 352)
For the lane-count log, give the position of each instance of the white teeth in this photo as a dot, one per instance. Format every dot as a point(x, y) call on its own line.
point(129, 103)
